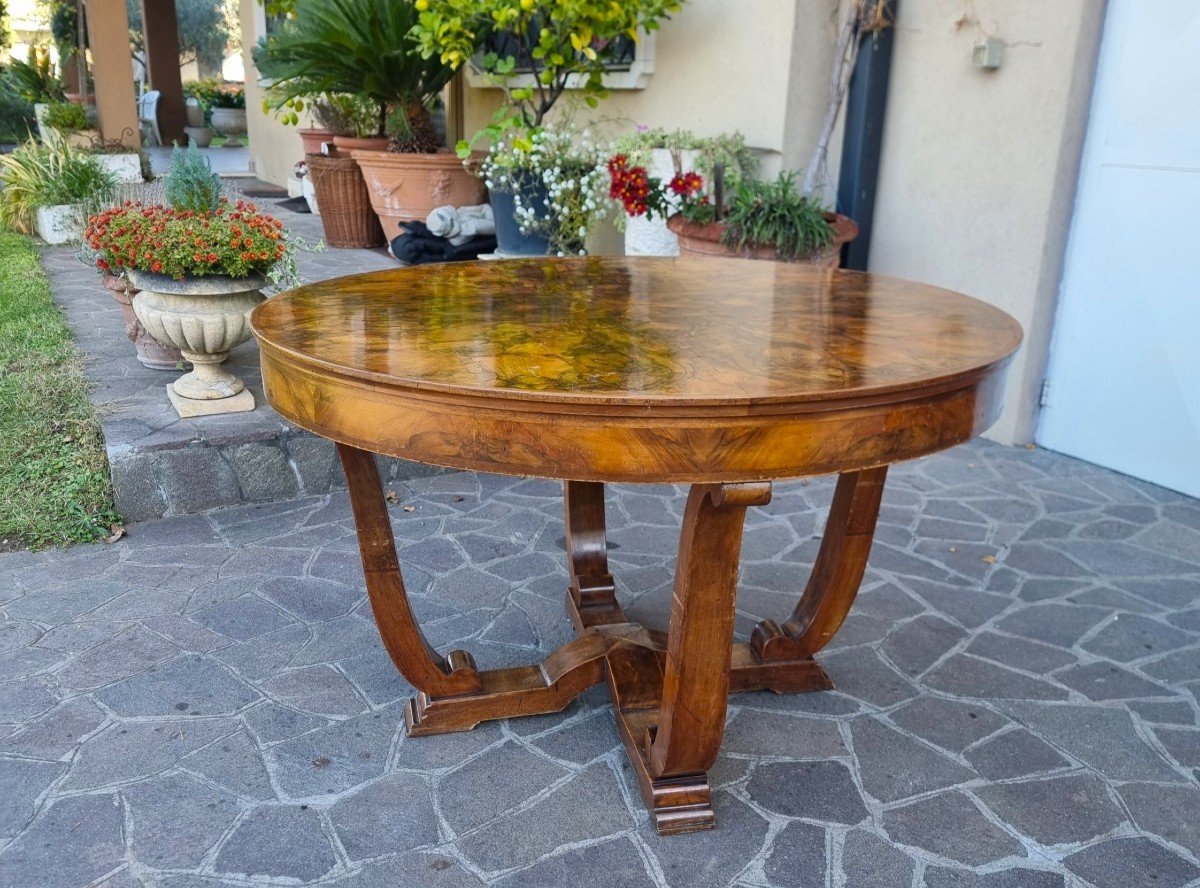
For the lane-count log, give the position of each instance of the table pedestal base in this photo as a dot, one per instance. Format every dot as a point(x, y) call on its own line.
point(669, 689)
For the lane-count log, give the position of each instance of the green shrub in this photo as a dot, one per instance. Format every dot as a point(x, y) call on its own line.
point(79, 178)
point(765, 213)
point(16, 114)
point(191, 183)
point(66, 117)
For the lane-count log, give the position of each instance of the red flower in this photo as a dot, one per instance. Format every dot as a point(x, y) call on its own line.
point(686, 184)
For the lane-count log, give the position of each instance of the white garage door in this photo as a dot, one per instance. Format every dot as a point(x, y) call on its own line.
point(1124, 381)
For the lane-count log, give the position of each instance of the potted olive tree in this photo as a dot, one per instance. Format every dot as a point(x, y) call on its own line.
point(362, 48)
point(535, 51)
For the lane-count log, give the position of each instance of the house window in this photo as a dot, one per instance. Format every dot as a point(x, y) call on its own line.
point(628, 63)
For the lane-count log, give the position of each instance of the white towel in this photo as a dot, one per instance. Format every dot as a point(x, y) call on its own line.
point(461, 224)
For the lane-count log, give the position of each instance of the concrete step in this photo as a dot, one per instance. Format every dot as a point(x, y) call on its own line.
point(164, 465)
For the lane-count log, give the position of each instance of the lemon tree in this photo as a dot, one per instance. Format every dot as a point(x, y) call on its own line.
point(549, 42)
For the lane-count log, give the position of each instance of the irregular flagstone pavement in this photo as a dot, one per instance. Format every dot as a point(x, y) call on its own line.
point(206, 703)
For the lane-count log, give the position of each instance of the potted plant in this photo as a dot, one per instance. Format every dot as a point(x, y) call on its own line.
point(46, 187)
point(70, 121)
point(197, 130)
point(664, 154)
point(35, 81)
point(764, 220)
point(534, 51)
point(553, 215)
point(362, 48)
point(199, 262)
point(335, 115)
point(228, 113)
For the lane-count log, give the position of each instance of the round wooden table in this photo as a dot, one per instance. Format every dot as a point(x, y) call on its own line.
point(723, 373)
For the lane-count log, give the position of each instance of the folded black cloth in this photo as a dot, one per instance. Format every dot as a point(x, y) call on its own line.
point(417, 246)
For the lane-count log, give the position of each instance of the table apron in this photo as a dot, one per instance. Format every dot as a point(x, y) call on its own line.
point(532, 441)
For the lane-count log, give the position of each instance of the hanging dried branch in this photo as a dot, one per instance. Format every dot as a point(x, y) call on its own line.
point(863, 17)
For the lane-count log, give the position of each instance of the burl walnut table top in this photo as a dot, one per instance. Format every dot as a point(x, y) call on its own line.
point(640, 331)
point(628, 340)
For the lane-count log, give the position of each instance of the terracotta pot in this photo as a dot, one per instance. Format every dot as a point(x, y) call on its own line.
point(705, 240)
point(313, 139)
point(406, 187)
point(361, 143)
point(150, 352)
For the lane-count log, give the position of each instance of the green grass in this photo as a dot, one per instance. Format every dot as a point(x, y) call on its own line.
point(54, 485)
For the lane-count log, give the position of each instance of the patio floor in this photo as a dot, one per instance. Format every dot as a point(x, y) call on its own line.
point(206, 703)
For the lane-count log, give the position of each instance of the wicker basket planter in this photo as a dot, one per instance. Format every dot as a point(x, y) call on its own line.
point(346, 213)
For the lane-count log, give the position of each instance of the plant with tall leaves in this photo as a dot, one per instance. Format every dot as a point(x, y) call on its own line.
point(34, 79)
point(775, 213)
point(46, 174)
point(354, 47)
point(190, 184)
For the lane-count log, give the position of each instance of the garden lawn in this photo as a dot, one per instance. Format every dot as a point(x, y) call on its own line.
point(54, 486)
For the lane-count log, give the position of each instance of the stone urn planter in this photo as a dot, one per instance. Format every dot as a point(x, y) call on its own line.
point(200, 136)
point(150, 352)
point(231, 123)
point(204, 317)
point(705, 240)
point(408, 187)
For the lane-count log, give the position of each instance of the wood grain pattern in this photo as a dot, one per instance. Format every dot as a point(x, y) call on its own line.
point(836, 575)
point(636, 369)
point(592, 586)
point(723, 373)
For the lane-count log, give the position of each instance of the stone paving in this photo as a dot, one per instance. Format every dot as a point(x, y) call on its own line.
point(164, 465)
point(206, 703)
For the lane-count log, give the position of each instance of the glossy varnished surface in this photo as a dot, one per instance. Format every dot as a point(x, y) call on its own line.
point(639, 331)
point(700, 370)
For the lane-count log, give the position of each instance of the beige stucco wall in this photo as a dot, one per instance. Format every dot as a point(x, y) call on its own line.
point(979, 168)
point(274, 147)
point(719, 67)
point(723, 66)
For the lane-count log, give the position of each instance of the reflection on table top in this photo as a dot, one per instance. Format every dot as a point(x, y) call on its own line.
point(635, 330)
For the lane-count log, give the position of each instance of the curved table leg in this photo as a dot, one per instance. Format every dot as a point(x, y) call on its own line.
point(671, 710)
point(416, 659)
point(592, 588)
point(452, 694)
point(841, 561)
